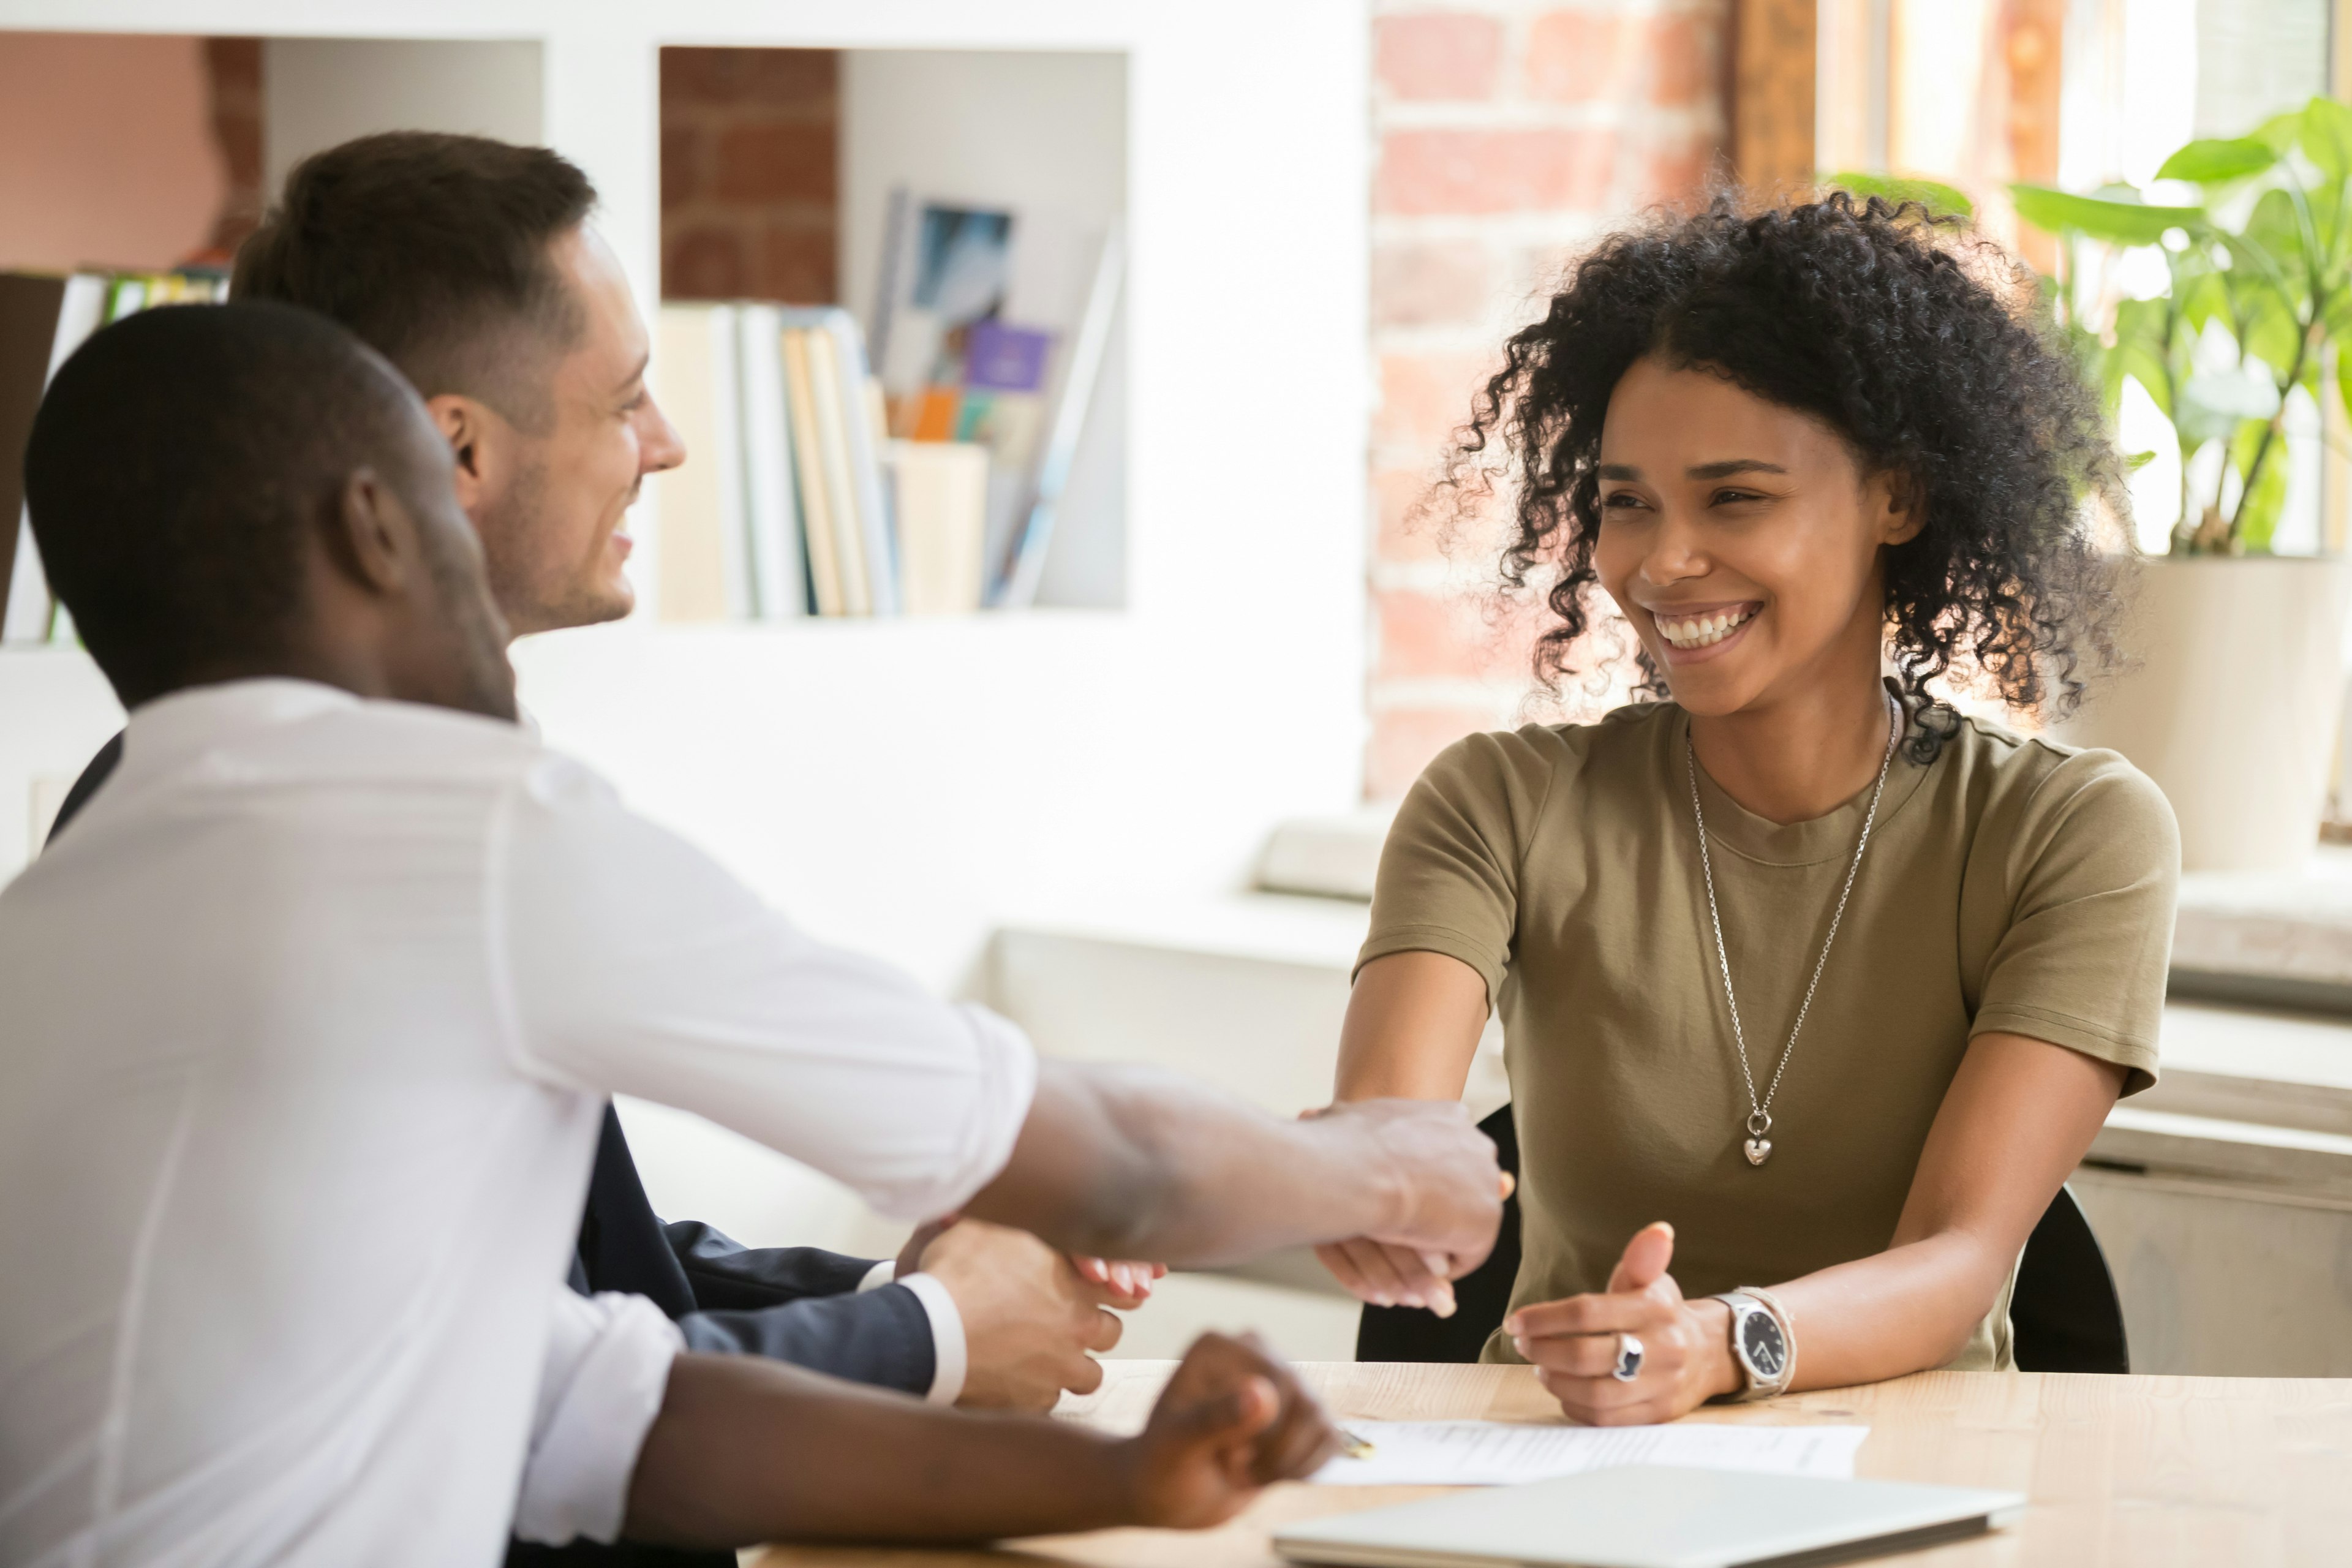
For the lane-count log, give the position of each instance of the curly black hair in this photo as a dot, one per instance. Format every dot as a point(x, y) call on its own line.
point(1915, 340)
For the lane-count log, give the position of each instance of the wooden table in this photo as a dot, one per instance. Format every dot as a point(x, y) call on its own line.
point(2216, 1472)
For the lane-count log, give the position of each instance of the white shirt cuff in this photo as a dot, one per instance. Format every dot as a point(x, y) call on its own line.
point(600, 1385)
point(949, 1362)
point(947, 1336)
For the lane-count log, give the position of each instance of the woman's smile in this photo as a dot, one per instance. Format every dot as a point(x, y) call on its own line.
point(1703, 631)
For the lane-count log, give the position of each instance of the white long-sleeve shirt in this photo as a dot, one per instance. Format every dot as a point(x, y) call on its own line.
point(606, 1362)
point(308, 1021)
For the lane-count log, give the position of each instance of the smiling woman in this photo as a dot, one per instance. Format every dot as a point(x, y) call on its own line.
point(1817, 457)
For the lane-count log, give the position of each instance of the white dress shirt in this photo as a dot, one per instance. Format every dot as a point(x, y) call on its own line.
point(949, 1350)
point(950, 1353)
point(607, 1360)
point(309, 1019)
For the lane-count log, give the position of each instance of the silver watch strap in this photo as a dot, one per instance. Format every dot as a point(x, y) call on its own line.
point(1755, 1297)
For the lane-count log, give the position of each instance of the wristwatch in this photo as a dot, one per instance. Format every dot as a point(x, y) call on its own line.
point(1761, 1343)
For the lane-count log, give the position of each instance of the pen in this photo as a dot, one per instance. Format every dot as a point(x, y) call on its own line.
point(1352, 1447)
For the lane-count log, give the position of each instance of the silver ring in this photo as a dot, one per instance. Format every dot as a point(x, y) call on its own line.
point(1629, 1358)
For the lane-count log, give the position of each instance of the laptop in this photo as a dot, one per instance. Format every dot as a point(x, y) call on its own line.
point(1653, 1516)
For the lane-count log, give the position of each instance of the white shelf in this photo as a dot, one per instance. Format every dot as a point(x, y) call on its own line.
point(935, 628)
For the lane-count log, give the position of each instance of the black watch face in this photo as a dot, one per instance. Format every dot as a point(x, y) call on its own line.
point(1760, 1338)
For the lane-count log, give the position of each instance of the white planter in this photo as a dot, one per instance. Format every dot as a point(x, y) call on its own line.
point(2230, 699)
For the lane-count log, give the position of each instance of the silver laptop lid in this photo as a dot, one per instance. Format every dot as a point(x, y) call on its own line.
point(1647, 1516)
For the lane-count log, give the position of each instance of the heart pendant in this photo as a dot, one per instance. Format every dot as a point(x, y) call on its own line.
point(1758, 1150)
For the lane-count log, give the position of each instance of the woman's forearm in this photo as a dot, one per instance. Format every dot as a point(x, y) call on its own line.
point(2020, 1114)
point(747, 1450)
point(1905, 1309)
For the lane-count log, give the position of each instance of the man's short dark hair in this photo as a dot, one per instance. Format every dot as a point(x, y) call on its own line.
point(436, 249)
point(176, 460)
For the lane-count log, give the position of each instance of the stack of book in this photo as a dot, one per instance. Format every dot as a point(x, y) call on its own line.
point(990, 327)
point(43, 318)
point(792, 500)
point(922, 482)
point(779, 509)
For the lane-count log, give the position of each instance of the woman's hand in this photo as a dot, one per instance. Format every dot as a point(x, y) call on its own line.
point(1231, 1420)
point(1125, 1285)
point(1390, 1276)
point(1387, 1275)
point(1685, 1345)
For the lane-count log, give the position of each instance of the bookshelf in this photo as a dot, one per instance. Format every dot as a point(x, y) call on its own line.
point(909, 785)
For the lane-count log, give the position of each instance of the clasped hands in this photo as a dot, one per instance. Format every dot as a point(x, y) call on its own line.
point(1030, 1314)
point(1452, 1209)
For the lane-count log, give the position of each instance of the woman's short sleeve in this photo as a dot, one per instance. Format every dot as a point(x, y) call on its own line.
point(1449, 875)
point(2093, 870)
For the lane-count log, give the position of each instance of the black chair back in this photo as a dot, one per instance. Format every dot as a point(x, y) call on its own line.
point(2065, 1311)
point(1480, 1297)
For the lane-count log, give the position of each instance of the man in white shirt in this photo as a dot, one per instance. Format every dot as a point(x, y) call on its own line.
point(312, 1015)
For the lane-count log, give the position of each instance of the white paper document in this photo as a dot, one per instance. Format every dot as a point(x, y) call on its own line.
point(1500, 1454)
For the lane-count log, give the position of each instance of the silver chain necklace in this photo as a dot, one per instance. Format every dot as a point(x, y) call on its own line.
point(1759, 1147)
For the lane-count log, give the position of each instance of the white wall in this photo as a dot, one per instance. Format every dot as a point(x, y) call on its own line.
point(317, 93)
point(55, 710)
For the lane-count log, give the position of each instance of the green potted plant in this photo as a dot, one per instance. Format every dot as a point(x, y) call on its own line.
point(2233, 692)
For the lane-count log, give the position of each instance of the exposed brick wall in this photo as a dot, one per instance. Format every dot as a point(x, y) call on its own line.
point(1507, 134)
point(233, 67)
point(750, 163)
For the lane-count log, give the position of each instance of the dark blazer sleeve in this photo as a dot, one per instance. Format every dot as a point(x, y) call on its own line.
point(882, 1338)
point(797, 1304)
point(725, 1274)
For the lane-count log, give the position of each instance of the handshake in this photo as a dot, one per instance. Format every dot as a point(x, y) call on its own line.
point(1403, 1196)
point(1456, 1193)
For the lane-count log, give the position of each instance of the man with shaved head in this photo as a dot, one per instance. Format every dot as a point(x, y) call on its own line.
point(314, 1013)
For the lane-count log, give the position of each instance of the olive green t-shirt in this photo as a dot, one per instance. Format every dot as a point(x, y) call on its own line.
point(2010, 885)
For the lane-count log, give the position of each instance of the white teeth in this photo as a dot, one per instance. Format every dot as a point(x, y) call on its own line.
point(1701, 631)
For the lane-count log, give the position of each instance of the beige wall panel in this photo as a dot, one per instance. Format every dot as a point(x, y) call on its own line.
point(2224, 1282)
